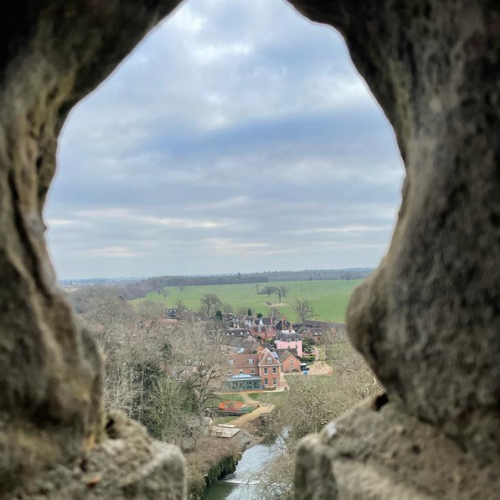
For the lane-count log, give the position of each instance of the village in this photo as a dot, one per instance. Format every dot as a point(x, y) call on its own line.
point(217, 382)
point(261, 352)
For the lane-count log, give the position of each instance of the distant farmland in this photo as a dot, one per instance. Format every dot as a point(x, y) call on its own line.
point(329, 298)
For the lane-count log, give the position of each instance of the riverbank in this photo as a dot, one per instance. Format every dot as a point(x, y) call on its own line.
point(214, 458)
point(251, 479)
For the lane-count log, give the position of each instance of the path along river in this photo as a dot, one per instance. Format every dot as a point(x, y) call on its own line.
point(243, 484)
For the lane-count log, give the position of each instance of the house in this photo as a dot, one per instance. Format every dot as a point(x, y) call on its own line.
point(318, 329)
point(238, 332)
point(324, 325)
point(239, 344)
point(244, 369)
point(283, 324)
point(270, 369)
point(243, 364)
point(269, 321)
point(290, 360)
point(310, 332)
point(263, 332)
point(289, 340)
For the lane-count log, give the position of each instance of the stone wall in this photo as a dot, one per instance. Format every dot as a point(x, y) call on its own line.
point(427, 320)
point(53, 53)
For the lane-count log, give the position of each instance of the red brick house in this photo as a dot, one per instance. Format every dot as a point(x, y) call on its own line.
point(289, 359)
point(270, 369)
point(265, 365)
point(262, 331)
point(243, 364)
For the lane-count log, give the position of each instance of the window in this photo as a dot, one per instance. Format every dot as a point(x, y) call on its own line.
point(275, 381)
point(241, 372)
point(231, 361)
point(266, 381)
point(252, 371)
point(275, 370)
point(291, 362)
point(229, 372)
point(250, 361)
point(265, 371)
point(269, 360)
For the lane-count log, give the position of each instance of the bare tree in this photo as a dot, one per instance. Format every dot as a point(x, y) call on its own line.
point(268, 290)
point(150, 310)
point(274, 312)
point(281, 292)
point(303, 309)
point(181, 308)
point(121, 389)
point(311, 403)
point(169, 409)
point(181, 287)
point(209, 304)
point(133, 344)
point(163, 292)
point(227, 308)
point(198, 359)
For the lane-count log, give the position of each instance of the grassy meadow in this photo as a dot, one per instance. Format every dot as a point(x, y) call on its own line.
point(329, 298)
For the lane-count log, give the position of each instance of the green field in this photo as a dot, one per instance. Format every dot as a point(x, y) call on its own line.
point(329, 298)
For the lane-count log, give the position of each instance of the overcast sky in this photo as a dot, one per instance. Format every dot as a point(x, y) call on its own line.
point(237, 137)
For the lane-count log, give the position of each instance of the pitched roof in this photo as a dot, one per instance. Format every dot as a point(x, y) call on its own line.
point(243, 360)
point(323, 324)
point(286, 353)
point(240, 332)
point(292, 337)
point(267, 359)
point(235, 341)
point(313, 330)
point(269, 321)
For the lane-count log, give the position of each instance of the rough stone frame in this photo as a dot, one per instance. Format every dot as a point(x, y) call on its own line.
point(427, 321)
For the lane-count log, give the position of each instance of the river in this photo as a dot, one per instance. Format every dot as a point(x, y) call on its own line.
point(243, 484)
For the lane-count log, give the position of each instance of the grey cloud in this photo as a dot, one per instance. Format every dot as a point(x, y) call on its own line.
point(237, 137)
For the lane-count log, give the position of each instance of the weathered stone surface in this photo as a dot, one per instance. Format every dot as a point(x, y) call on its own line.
point(388, 455)
point(428, 320)
point(128, 465)
point(52, 53)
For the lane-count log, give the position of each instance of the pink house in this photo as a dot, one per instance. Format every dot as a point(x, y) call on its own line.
point(286, 340)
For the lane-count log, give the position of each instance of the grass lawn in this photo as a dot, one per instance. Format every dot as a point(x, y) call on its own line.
point(220, 398)
point(329, 298)
point(267, 397)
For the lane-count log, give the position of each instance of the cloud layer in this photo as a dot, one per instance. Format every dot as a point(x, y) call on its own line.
point(236, 137)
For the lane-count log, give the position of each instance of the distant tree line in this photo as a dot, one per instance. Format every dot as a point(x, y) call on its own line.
point(129, 290)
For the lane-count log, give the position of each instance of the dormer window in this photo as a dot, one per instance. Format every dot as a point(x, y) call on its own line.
point(269, 360)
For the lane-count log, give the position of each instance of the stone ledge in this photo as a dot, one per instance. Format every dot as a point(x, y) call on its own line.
point(388, 455)
point(128, 465)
